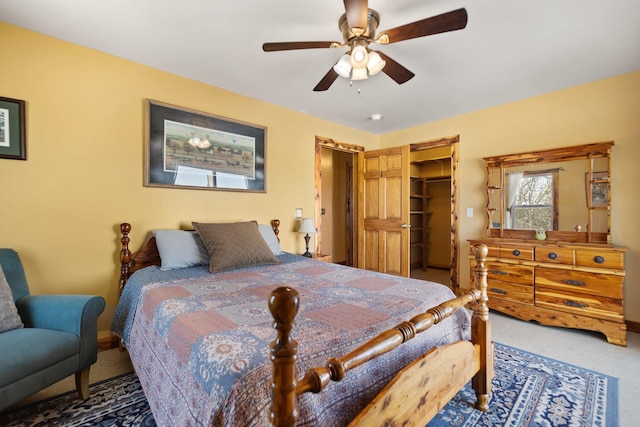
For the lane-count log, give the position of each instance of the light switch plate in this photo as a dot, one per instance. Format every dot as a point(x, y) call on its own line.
point(469, 212)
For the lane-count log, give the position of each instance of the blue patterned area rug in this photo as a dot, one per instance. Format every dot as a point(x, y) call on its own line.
point(528, 390)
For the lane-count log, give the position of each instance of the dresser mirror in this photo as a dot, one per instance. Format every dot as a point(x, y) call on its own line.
point(562, 194)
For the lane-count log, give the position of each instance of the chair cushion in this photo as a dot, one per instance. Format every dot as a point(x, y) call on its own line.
point(29, 350)
point(9, 317)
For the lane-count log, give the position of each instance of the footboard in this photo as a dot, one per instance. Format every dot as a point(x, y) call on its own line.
point(420, 390)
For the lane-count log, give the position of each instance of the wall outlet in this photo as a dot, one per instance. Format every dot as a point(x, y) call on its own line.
point(469, 212)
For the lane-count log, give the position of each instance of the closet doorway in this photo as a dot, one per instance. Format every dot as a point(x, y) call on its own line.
point(336, 172)
point(434, 240)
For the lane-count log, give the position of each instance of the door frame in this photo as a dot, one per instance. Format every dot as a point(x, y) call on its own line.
point(355, 150)
point(454, 143)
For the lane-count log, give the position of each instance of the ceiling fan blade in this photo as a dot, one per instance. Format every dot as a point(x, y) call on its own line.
point(397, 72)
point(450, 21)
point(272, 47)
point(326, 81)
point(357, 11)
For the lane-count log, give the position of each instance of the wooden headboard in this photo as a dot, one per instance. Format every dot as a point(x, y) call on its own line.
point(148, 255)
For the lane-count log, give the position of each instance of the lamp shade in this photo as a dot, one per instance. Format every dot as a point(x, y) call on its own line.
point(375, 64)
point(307, 226)
point(343, 66)
point(359, 56)
point(359, 74)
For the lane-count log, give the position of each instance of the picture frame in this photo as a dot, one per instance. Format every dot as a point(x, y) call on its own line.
point(12, 129)
point(597, 189)
point(185, 148)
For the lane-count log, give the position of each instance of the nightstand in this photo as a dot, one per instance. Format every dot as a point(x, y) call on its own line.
point(322, 257)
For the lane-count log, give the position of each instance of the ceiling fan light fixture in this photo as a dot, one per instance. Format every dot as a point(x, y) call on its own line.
point(359, 73)
point(359, 56)
point(375, 64)
point(343, 66)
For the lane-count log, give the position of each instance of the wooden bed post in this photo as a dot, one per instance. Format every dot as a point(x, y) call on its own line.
point(283, 305)
point(125, 254)
point(481, 331)
point(275, 224)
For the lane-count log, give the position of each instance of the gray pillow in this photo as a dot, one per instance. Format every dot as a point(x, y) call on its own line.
point(180, 249)
point(234, 245)
point(270, 237)
point(9, 317)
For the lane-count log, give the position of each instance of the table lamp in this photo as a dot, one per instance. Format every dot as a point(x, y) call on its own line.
point(307, 227)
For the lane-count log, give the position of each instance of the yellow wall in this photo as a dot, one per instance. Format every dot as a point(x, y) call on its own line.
point(61, 209)
point(600, 111)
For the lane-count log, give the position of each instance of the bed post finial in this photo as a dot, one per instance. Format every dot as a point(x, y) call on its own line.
point(481, 331)
point(125, 254)
point(275, 224)
point(283, 305)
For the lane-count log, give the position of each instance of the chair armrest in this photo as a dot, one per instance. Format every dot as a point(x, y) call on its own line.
point(77, 314)
point(66, 313)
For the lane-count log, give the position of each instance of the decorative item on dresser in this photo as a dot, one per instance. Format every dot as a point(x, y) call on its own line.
point(555, 272)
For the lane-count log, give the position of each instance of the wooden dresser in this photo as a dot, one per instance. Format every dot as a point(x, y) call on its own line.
point(573, 285)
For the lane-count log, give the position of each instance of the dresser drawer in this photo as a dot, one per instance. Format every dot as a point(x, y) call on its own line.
point(587, 305)
point(516, 252)
point(497, 271)
point(554, 255)
point(600, 258)
point(608, 285)
point(510, 292)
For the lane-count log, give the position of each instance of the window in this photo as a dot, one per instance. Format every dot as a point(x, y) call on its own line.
point(535, 204)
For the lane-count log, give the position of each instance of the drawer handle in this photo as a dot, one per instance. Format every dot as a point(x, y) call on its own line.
point(498, 291)
point(497, 272)
point(598, 259)
point(575, 304)
point(574, 282)
point(516, 252)
point(553, 255)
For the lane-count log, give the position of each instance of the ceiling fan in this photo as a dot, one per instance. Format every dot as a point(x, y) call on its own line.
point(358, 25)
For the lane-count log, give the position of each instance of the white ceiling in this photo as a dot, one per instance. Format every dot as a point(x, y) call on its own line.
point(510, 49)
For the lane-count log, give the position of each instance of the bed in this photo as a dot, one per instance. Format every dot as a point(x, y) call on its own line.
point(350, 346)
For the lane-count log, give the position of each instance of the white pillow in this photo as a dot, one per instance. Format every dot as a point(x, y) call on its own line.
point(180, 249)
point(9, 317)
point(270, 237)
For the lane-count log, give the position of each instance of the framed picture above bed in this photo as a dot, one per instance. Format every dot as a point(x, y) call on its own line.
point(192, 149)
point(12, 129)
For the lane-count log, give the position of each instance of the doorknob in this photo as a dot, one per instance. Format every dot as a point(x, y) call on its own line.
point(405, 226)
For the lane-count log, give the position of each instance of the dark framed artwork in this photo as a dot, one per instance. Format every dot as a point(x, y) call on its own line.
point(597, 189)
point(12, 129)
point(191, 149)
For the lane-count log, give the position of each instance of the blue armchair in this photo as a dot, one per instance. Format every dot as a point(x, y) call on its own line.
point(59, 338)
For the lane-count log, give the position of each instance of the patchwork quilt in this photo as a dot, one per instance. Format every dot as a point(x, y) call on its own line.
point(200, 342)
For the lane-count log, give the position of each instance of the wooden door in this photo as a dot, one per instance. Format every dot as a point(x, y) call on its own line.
point(384, 231)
